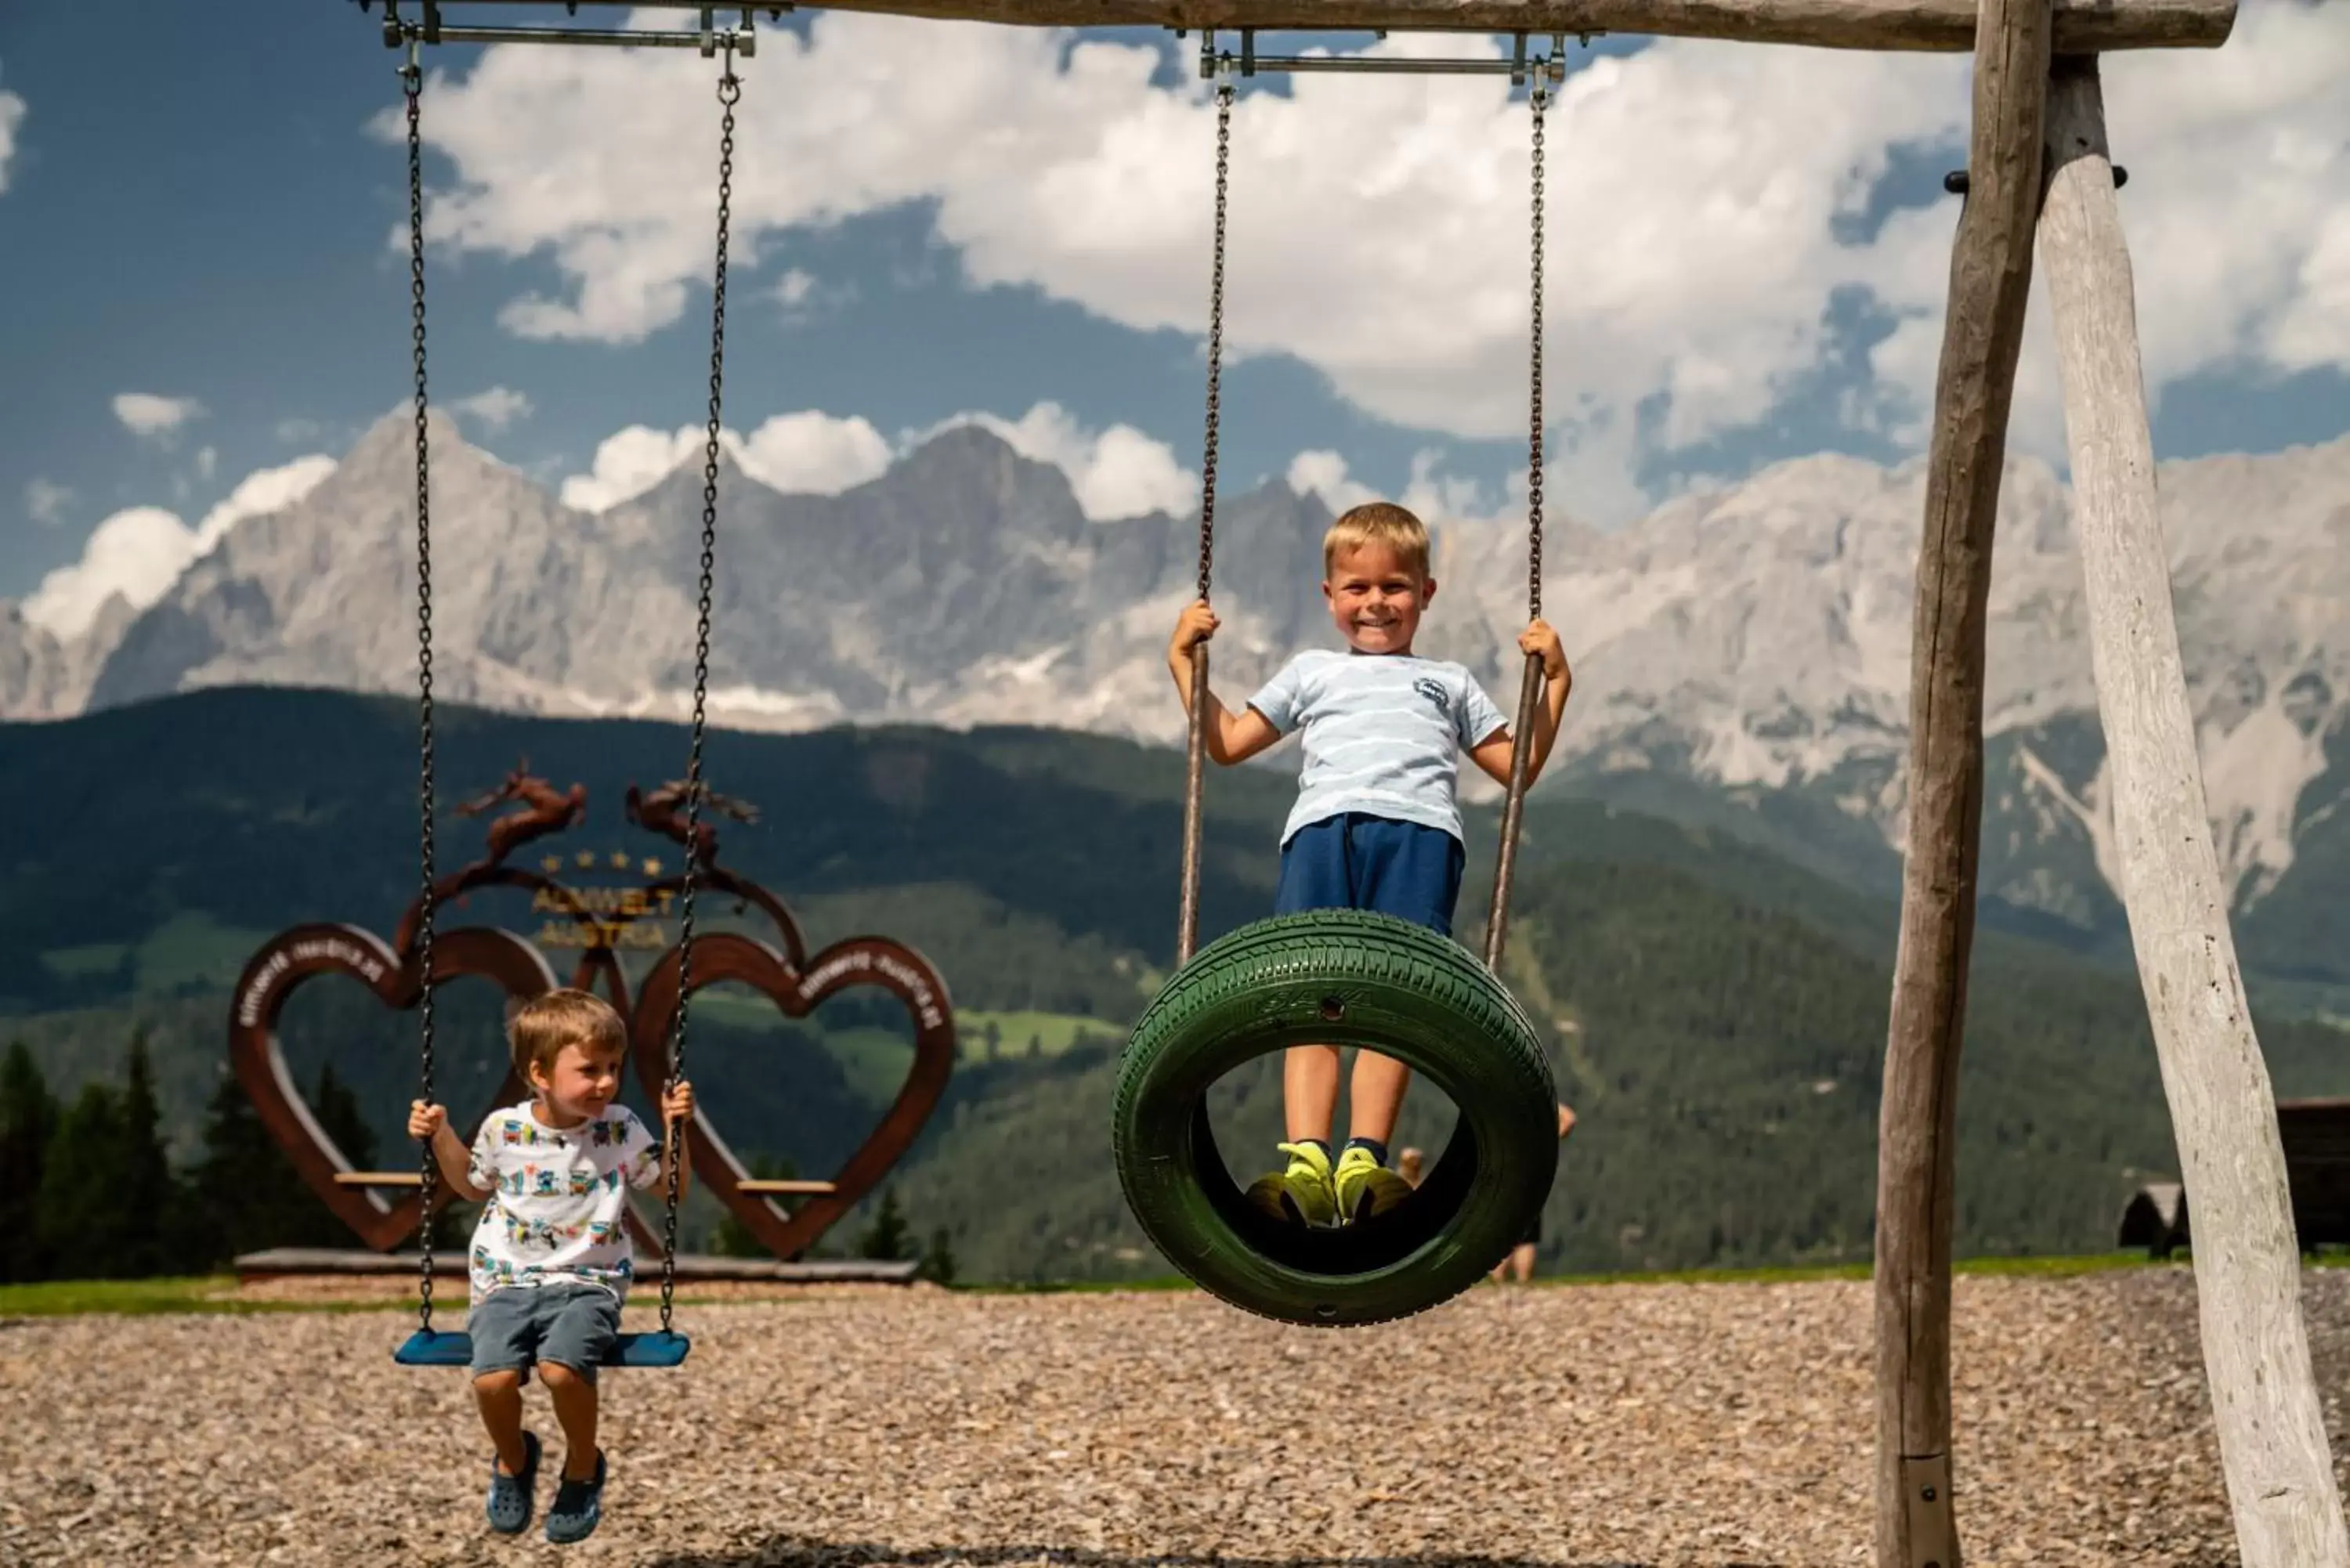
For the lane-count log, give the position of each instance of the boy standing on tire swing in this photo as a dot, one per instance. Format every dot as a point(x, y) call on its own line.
point(1377, 824)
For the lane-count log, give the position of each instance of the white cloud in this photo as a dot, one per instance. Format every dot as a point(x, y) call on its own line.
point(1117, 472)
point(207, 460)
point(630, 462)
point(804, 295)
point(814, 453)
point(809, 453)
point(12, 115)
point(45, 502)
point(146, 414)
point(136, 553)
point(2237, 212)
point(139, 552)
point(294, 432)
point(264, 490)
point(1324, 474)
point(1437, 497)
point(497, 407)
point(1377, 222)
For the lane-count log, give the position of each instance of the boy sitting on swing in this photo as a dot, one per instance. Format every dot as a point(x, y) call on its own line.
point(1377, 824)
point(551, 1255)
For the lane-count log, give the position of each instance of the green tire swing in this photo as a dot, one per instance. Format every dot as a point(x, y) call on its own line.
point(1347, 978)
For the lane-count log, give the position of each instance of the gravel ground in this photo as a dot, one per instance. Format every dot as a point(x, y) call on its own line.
point(1600, 1425)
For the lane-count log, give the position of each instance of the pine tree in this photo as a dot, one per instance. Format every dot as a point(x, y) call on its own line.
point(247, 1191)
point(938, 1259)
point(338, 1110)
point(148, 1194)
point(81, 1227)
point(887, 1237)
point(28, 1121)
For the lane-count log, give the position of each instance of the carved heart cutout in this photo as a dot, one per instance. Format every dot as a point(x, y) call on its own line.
point(858, 962)
point(305, 953)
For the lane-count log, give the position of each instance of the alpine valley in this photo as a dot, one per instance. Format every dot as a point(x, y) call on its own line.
point(945, 690)
point(1741, 654)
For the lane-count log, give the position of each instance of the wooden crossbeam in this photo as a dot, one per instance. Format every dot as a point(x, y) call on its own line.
point(763, 1186)
point(2081, 26)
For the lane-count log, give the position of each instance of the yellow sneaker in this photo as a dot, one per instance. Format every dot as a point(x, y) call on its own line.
point(1364, 1187)
point(1300, 1194)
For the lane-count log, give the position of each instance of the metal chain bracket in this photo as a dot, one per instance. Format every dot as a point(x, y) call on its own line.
point(708, 38)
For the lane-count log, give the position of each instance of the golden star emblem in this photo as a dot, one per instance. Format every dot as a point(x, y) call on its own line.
point(652, 867)
point(619, 860)
point(550, 863)
point(584, 858)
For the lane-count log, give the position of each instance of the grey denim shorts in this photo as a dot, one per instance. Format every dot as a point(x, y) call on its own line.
point(568, 1324)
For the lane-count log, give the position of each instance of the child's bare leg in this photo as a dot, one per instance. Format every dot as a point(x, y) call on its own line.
point(1375, 1097)
point(1309, 1091)
point(499, 1394)
point(573, 1398)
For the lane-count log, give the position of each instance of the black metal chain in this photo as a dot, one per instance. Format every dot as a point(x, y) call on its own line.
point(411, 80)
point(1215, 336)
point(1195, 752)
point(730, 91)
point(1530, 689)
point(1541, 100)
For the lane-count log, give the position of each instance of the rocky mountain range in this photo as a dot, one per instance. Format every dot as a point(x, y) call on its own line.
point(1748, 641)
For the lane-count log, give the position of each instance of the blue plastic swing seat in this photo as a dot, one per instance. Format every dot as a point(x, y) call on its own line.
point(427, 1347)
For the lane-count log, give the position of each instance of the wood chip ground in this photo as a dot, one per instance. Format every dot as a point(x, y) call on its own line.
point(1718, 1425)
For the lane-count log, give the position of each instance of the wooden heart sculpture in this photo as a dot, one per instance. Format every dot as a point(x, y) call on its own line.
point(306, 953)
point(798, 991)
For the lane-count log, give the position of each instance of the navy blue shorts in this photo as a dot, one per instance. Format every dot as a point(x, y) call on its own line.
point(1357, 861)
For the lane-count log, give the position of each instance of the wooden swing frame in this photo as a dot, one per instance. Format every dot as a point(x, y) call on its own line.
point(2039, 174)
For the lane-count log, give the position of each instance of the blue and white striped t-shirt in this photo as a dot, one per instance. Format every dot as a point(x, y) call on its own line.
point(1383, 735)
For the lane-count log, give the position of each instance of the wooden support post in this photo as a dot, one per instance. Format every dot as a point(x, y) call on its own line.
point(1948, 26)
point(2264, 1401)
point(1982, 336)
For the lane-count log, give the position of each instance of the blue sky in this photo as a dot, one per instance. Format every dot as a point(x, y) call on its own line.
point(200, 208)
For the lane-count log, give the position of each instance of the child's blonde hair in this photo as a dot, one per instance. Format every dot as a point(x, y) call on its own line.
point(541, 1027)
point(1377, 523)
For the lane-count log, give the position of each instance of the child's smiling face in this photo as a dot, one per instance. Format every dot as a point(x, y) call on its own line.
point(581, 1084)
point(1376, 597)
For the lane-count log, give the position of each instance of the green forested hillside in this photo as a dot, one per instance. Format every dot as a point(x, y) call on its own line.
point(1717, 1013)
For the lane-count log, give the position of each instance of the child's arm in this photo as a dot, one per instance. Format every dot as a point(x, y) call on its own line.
point(1232, 737)
point(455, 1161)
point(1492, 753)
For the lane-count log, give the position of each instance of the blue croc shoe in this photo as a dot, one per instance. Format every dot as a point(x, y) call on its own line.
point(577, 1507)
point(511, 1496)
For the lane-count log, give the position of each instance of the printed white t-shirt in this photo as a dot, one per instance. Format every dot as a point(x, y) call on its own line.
point(558, 1196)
